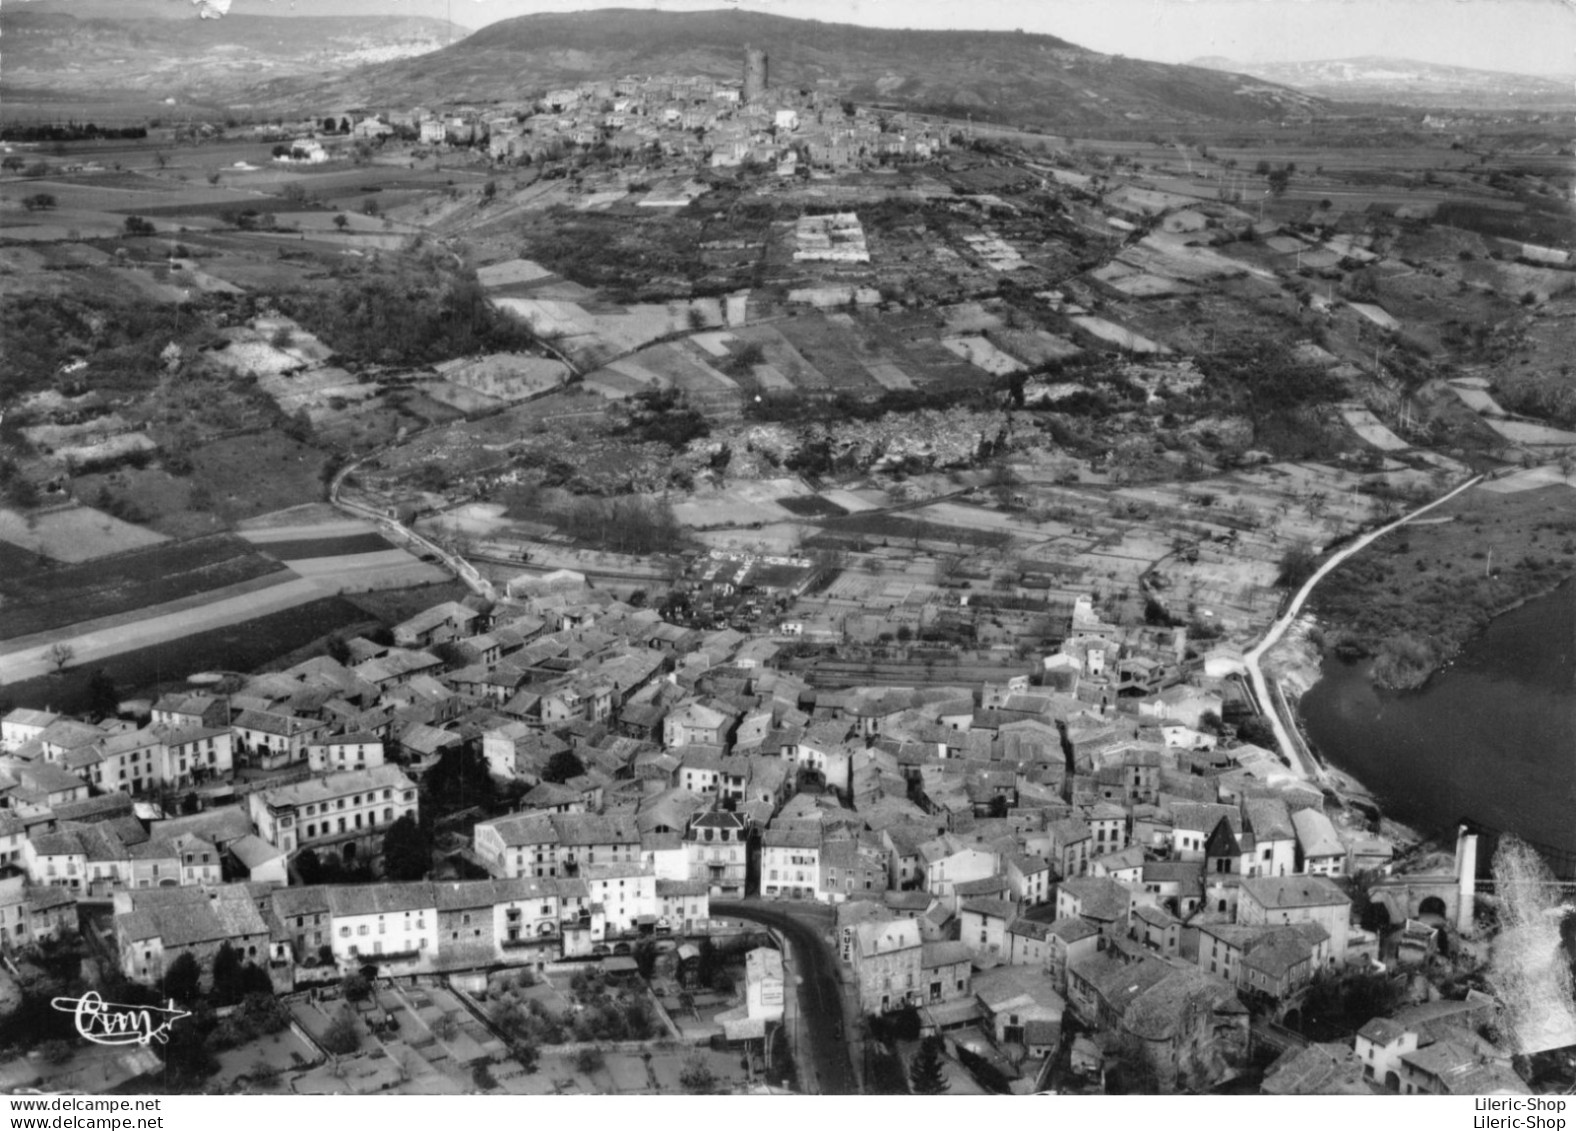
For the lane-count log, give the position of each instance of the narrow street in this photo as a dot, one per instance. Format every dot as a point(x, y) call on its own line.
point(823, 1028)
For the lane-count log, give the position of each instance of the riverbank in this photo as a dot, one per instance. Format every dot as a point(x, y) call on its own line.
point(1296, 664)
point(1488, 739)
point(1418, 595)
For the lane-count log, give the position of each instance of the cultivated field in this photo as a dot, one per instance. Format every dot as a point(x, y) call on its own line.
point(135, 580)
point(74, 534)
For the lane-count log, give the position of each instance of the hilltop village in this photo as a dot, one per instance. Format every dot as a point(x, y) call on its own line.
point(685, 118)
point(818, 532)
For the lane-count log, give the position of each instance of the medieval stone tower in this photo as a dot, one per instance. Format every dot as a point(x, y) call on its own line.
point(755, 75)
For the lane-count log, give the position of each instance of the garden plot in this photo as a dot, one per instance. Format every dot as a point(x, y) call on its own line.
point(327, 223)
point(1472, 394)
point(311, 389)
point(973, 518)
point(621, 380)
point(1137, 284)
point(1286, 245)
point(251, 354)
point(74, 534)
point(458, 397)
point(186, 274)
point(770, 538)
point(308, 520)
point(888, 375)
point(505, 377)
point(1520, 432)
point(684, 369)
point(1372, 430)
point(969, 318)
point(740, 503)
point(1161, 253)
point(1146, 202)
point(100, 197)
point(48, 437)
point(771, 378)
point(831, 298)
point(979, 352)
point(101, 643)
point(856, 586)
point(354, 573)
point(1119, 336)
point(61, 225)
point(1529, 479)
point(612, 331)
point(510, 272)
point(107, 450)
point(282, 1052)
point(1035, 347)
point(995, 252)
point(716, 345)
point(840, 347)
point(855, 501)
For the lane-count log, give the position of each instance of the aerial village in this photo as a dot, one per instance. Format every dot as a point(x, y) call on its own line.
point(1076, 868)
point(515, 842)
point(688, 119)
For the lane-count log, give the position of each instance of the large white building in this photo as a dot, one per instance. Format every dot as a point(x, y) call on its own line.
point(340, 811)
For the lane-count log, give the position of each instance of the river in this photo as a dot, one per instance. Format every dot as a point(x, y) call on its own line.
point(1492, 737)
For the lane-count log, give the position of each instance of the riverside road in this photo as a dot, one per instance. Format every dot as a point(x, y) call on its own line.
point(819, 990)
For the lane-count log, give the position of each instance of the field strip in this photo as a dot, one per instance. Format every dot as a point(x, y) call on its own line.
point(164, 608)
point(343, 528)
point(341, 564)
point(100, 644)
point(395, 576)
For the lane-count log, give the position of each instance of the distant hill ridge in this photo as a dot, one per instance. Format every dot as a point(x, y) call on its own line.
point(98, 56)
point(1027, 79)
point(1371, 78)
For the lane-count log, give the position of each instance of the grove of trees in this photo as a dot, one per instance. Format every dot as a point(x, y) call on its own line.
point(423, 313)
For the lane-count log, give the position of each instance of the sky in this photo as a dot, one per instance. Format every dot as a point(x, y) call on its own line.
point(1525, 36)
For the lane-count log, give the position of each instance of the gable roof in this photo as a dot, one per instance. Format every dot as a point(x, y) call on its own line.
point(1287, 892)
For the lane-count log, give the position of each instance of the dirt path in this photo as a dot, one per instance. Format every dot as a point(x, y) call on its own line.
point(102, 643)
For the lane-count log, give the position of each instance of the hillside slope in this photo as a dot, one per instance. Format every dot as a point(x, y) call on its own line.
point(1031, 80)
point(1407, 82)
point(64, 53)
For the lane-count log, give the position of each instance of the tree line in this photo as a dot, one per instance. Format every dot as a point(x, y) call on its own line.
point(71, 131)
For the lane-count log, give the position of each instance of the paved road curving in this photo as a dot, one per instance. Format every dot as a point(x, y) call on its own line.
point(1271, 705)
point(820, 990)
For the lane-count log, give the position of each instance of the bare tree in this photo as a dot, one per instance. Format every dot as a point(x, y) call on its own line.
point(60, 654)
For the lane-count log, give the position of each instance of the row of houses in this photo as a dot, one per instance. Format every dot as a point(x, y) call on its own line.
point(399, 928)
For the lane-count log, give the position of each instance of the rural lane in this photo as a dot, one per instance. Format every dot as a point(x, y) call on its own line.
point(400, 533)
point(1271, 705)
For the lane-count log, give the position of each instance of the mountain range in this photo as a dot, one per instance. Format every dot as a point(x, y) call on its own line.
point(1407, 82)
